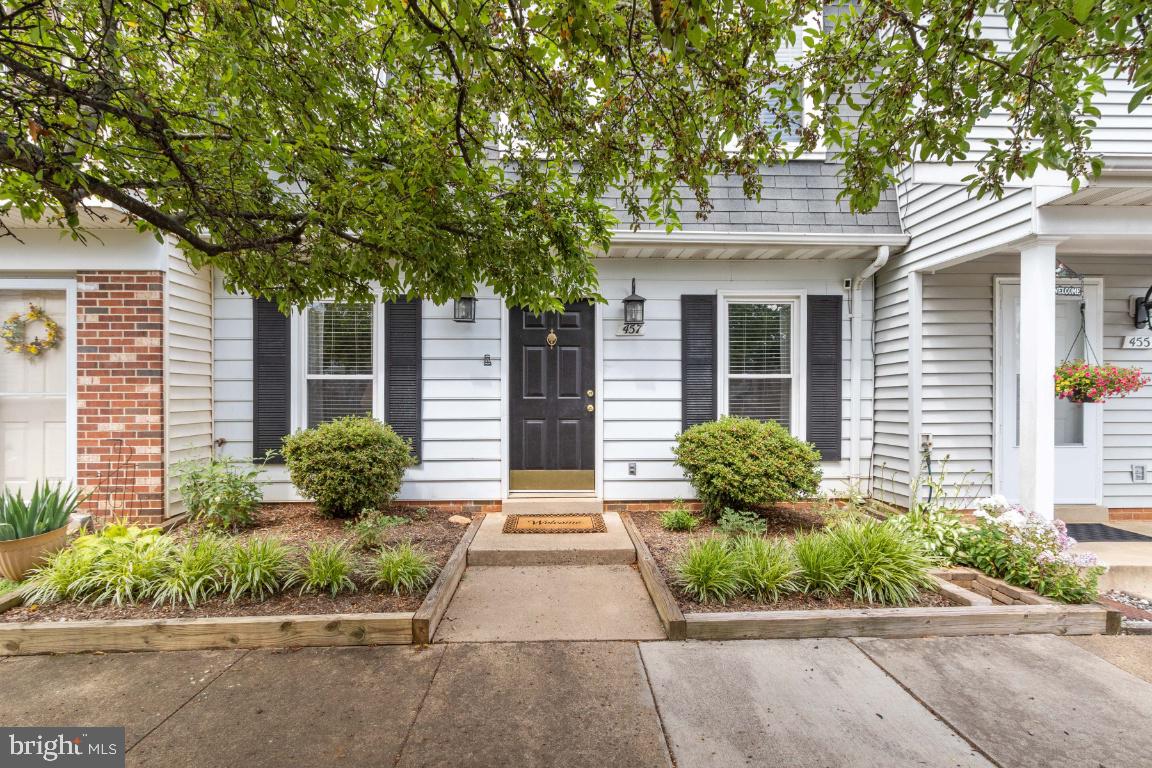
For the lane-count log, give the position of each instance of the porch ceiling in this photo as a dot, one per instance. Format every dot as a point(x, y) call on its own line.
point(755, 246)
point(1108, 195)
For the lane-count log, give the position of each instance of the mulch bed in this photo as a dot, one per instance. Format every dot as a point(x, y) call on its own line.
point(297, 525)
point(783, 523)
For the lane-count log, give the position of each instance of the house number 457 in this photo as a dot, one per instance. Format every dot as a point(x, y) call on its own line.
point(630, 329)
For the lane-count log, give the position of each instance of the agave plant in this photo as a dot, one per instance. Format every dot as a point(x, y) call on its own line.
point(47, 509)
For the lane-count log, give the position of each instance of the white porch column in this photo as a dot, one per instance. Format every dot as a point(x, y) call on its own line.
point(1037, 356)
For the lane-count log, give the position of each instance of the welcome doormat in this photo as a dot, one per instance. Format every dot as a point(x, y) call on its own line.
point(554, 524)
point(1089, 532)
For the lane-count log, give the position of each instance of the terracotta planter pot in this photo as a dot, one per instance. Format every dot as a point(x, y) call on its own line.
point(19, 556)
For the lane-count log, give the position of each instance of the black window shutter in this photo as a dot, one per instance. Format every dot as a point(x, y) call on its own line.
point(271, 379)
point(697, 359)
point(824, 375)
point(402, 370)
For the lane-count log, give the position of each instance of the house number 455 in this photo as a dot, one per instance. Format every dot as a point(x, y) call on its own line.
point(1138, 341)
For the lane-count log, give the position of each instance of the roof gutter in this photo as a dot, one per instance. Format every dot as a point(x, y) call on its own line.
point(697, 237)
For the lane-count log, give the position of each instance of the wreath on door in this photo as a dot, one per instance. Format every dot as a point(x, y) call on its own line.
point(14, 332)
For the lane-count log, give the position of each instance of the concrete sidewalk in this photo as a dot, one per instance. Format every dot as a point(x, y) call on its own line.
point(1014, 701)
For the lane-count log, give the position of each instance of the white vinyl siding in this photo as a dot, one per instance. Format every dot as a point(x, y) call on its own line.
point(188, 343)
point(639, 399)
point(641, 389)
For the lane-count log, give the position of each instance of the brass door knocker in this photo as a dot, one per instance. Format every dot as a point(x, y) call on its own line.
point(551, 338)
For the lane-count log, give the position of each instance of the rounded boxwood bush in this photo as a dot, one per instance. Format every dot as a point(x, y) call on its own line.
point(740, 463)
point(348, 465)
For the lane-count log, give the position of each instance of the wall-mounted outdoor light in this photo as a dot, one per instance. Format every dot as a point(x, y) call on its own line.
point(1144, 310)
point(464, 309)
point(634, 307)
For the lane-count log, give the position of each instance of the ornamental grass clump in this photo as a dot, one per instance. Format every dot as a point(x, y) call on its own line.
point(882, 564)
point(127, 571)
point(765, 568)
point(199, 572)
point(326, 568)
point(404, 569)
point(60, 577)
point(1028, 550)
point(258, 568)
point(708, 571)
point(746, 463)
point(1081, 382)
point(823, 570)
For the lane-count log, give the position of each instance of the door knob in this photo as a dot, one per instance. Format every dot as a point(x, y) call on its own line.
point(589, 407)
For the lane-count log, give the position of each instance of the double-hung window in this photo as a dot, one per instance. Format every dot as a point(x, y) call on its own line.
point(340, 348)
point(761, 360)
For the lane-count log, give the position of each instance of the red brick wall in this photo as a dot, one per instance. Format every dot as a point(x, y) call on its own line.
point(120, 392)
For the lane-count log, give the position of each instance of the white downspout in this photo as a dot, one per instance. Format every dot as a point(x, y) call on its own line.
point(856, 363)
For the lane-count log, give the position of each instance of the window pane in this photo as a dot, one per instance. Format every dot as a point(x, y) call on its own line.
point(763, 399)
point(332, 398)
point(760, 338)
point(340, 339)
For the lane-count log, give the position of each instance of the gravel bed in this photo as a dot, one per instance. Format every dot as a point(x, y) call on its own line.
point(297, 525)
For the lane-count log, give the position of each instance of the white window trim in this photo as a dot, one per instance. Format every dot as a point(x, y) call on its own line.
point(799, 362)
point(301, 377)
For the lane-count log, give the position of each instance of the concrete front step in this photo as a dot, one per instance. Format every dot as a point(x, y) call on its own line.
point(494, 547)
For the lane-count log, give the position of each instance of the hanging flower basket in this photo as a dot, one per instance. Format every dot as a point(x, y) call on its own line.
point(1081, 382)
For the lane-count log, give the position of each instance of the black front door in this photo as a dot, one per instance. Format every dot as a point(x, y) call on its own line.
point(553, 379)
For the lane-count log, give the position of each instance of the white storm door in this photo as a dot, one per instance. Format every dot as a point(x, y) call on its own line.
point(36, 393)
point(1079, 428)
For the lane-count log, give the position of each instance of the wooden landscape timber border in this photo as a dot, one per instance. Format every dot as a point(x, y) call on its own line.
point(211, 632)
point(428, 615)
point(997, 608)
point(666, 606)
point(35, 637)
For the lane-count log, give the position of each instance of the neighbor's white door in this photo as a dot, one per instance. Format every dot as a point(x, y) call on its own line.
point(1079, 428)
point(34, 398)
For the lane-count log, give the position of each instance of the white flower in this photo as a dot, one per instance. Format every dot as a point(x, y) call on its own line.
point(1013, 517)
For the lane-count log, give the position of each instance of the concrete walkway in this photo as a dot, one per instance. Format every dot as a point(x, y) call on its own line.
point(1015, 701)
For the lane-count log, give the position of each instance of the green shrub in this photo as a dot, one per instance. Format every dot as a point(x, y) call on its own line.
point(368, 530)
point(8, 586)
point(679, 518)
point(198, 572)
point(325, 568)
point(823, 571)
point(348, 465)
point(220, 492)
point(741, 522)
point(47, 509)
point(765, 568)
point(708, 571)
point(939, 532)
point(258, 568)
point(740, 463)
point(884, 565)
point(404, 569)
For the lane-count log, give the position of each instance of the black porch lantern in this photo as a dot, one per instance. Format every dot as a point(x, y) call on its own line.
point(1144, 310)
point(464, 309)
point(634, 307)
